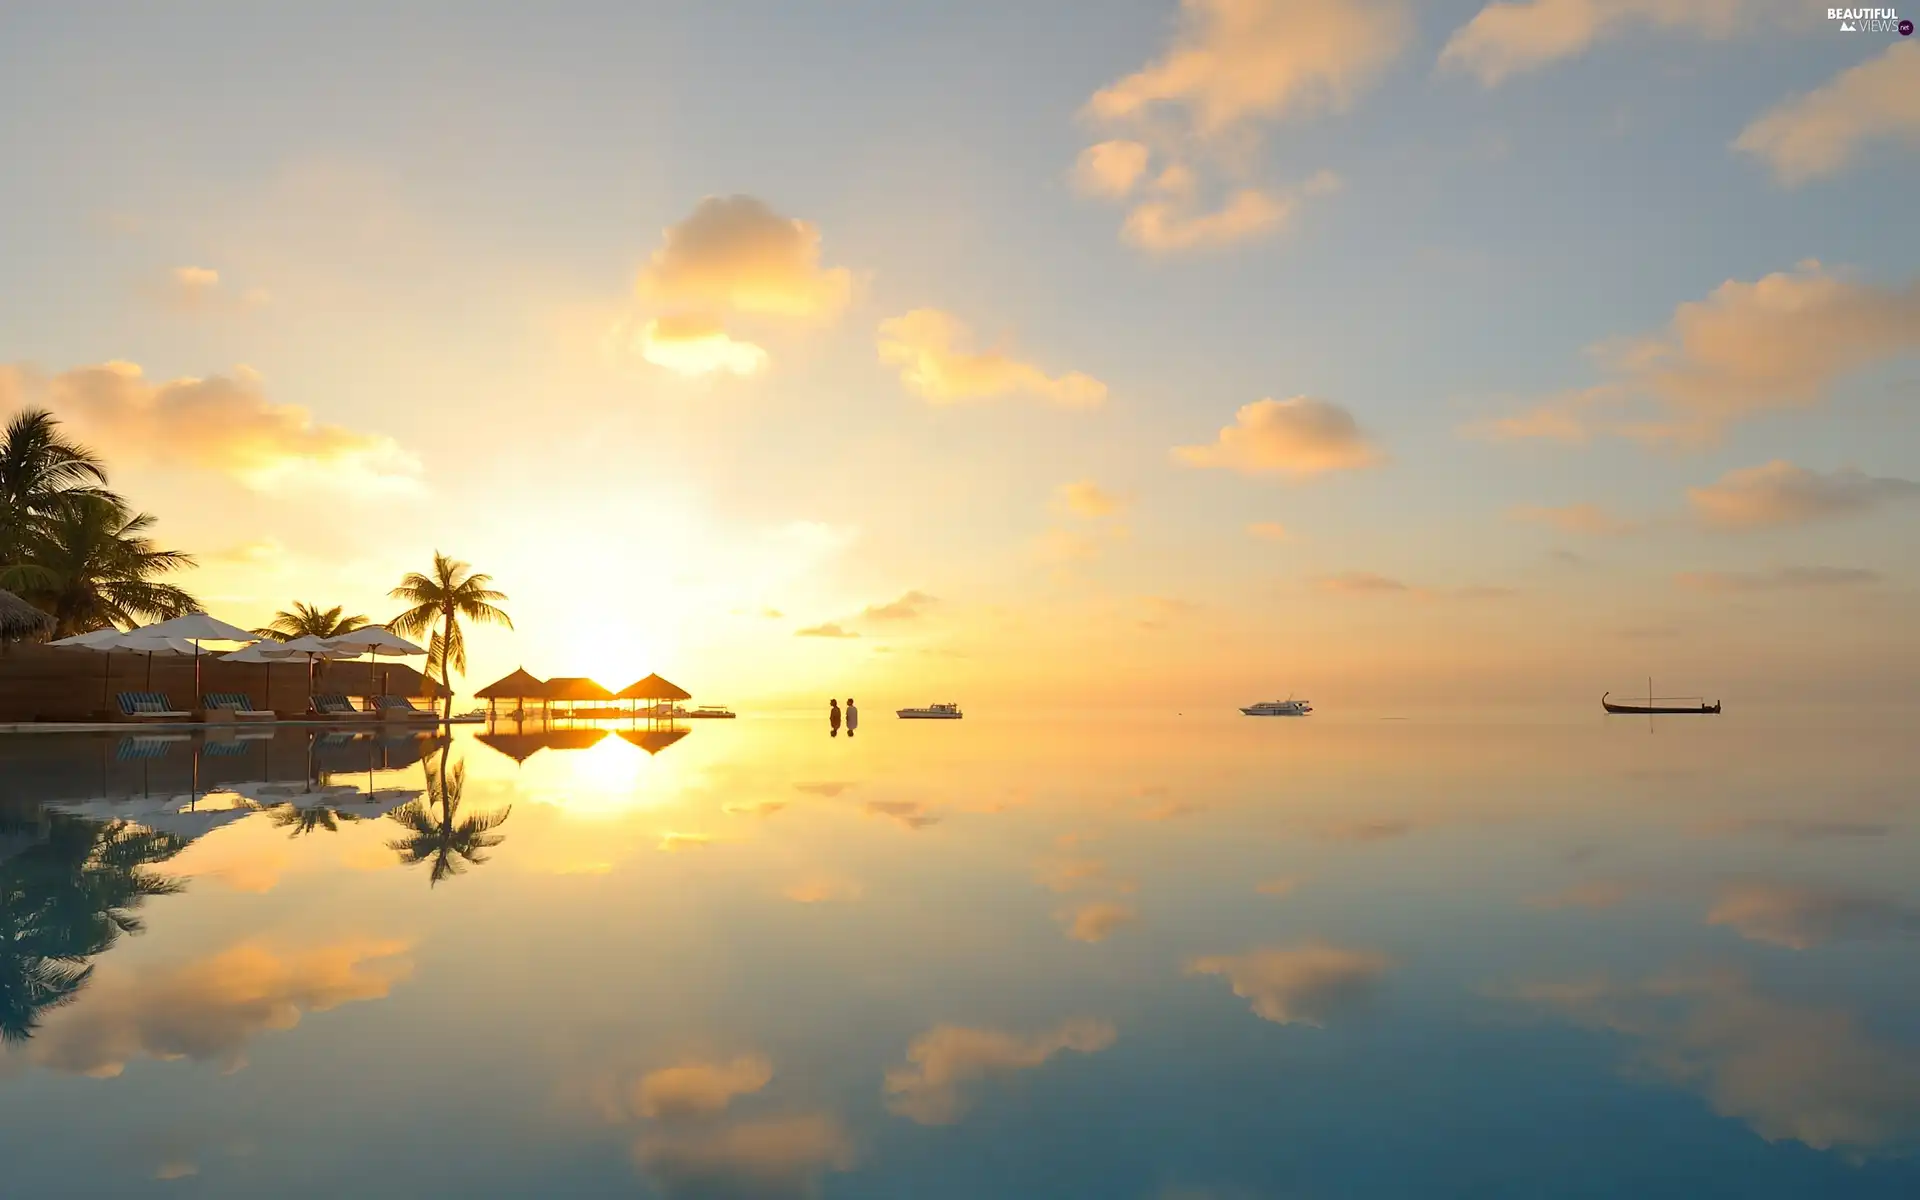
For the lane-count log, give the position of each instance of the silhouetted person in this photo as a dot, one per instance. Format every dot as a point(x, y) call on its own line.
point(853, 717)
point(833, 717)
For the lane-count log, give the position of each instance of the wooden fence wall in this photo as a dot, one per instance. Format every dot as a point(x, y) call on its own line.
point(45, 683)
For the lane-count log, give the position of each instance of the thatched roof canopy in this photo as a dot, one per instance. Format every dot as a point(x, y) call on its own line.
point(653, 741)
point(571, 688)
point(522, 746)
point(654, 688)
point(20, 620)
point(517, 686)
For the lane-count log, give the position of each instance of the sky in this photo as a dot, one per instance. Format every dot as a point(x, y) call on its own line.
point(1067, 355)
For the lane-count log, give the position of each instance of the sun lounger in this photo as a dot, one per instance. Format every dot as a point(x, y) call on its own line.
point(233, 706)
point(336, 707)
point(150, 706)
point(399, 708)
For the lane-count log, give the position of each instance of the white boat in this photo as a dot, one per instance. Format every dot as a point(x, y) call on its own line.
point(719, 711)
point(1279, 708)
point(932, 712)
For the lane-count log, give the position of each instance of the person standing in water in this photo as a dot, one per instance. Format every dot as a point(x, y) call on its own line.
point(833, 717)
point(853, 717)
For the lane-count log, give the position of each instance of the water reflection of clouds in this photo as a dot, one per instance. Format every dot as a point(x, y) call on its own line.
point(1309, 984)
point(932, 1087)
point(1790, 1071)
point(1800, 917)
point(208, 1010)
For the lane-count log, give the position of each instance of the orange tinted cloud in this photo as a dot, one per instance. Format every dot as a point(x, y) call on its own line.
point(1509, 37)
point(909, 607)
point(822, 889)
point(1779, 579)
point(1165, 225)
point(1780, 493)
point(1362, 583)
point(1305, 985)
point(208, 1010)
point(1800, 918)
point(697, 345)
point(1110, 168)
point(1238, 60)
point(221, 424)
point(1099, 920)
point(1298, 436)
point(1088, 499)
point(828, 630)
point(929, 347)
point(1775, 344)
point(735, 254)
point(699, 1089)
point(1272, 531)
point(774, 1158)
point(1823, 131)
point(929, 1089)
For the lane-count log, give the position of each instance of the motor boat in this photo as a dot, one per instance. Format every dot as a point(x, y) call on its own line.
point(713, 712)
point(932, 712)
point(1279, 708)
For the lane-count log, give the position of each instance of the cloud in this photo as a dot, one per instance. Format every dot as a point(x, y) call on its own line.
point(1771, 345)
point(1110, 168)
point(829, 789)
point(930, 1088)
point(1234, 61)
point(1822, 132)
point(1800, 918)
point(910, 607)
point(1363, 829)
point(1780, 493)
point(928, 347)
point(255, 553)
point(696, 346)
point(1283, 885)
point(735, 254)
point(1164, 225)
point(1272, 531)
point(822, 889)
point(753, 808)
point(1298, 436)
point(220, 424)
point(1234, 66)
point(1079, 874)
point(1798, 829)
point(775, 1158)
point(1510, 37)
point(1099, 920)
point(1064, 546)
point(1789, 1072)
point(1158, 612)
point(1303, 985)
point(828, 630)
point(209, 1009)
point(196, 280)
point(1088, 499)
point(699, 1089)
point(910, 815)
point(673, 843)
point(199, 289)
point(1362, 583)
point(1779, 579)
point(1576, 518)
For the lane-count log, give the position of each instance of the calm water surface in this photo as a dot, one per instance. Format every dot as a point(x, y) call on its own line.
point(1138, 958)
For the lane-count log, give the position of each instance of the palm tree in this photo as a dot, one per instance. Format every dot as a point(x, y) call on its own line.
point(93, 565)
point(436, 837)
point(40, 471)
point(65, 899)
point(310, 620)
point(452, 591)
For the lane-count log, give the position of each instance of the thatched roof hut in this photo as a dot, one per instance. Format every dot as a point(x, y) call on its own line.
point(654, 688)
point(572, 688)
point(20, 621)
point(517, 686)
point(653, 741)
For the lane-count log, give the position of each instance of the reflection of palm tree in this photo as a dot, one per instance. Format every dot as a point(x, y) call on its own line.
point(66, 899)
point(443, 837)
point(306, 820)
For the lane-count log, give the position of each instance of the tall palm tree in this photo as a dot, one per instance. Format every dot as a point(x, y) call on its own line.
point(95, 566)
point(310, 620)
point(437, 837)
point(450, 592)
point(40, 471)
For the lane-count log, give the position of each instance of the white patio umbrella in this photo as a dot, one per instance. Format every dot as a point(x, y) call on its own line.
point(376, 641)
point(264, 652)
point(97, 639)
point(317, 649)
point(197, 628)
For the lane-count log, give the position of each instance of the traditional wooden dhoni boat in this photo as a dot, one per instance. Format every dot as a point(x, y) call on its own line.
point(1661, 705)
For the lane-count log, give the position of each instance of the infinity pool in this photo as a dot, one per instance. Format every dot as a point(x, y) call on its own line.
point(1136, 958)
